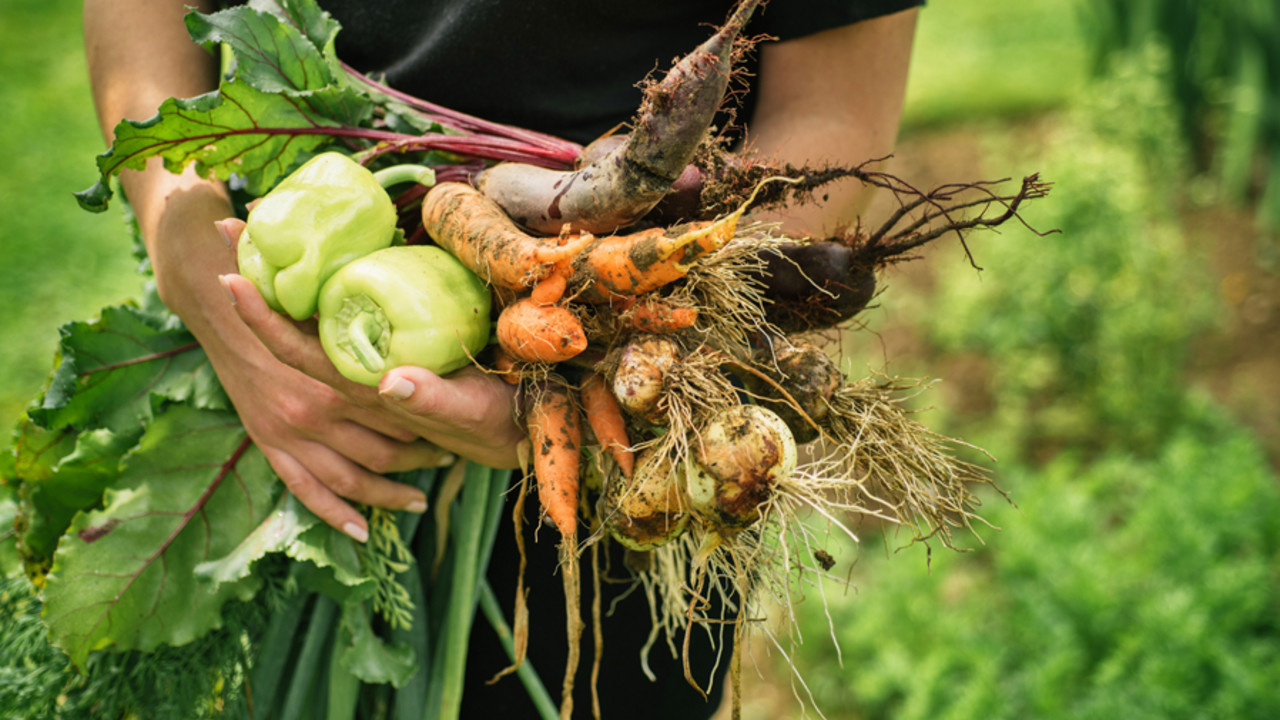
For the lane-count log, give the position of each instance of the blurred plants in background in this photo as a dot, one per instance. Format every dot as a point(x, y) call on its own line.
point(1087, 332)
point(1138, 575)
point(1224, 80)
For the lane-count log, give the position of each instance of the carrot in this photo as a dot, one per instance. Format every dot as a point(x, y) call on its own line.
point(532, 332)
point(641, 262)
point(551, 288)
point(625, 182)
point(607, 421)
point(475, 230)
point(505, 367)
point(654, 315)
point(556, 436)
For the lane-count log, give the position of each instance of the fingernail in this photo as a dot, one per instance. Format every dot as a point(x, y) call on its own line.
point(226, 285)
point(446, 460)
point(222, 230)
point(356, 532)
point(417, 506)
point(398, 389)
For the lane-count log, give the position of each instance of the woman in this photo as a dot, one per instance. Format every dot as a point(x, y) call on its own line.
point(830, 89)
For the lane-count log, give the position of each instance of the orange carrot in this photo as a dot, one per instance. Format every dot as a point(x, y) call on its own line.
point(532, 332)
point(654, 315)
point(607, 421)
point(477, 232)
point(505, 366)
point(550, 289)
point(556, 436)
point(634, 264)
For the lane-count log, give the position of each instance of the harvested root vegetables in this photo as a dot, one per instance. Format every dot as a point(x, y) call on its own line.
point(556, 436)
point(802, 381)
point(533, 332)
point(624, 183)
point(743, 454)
point(607, 422)
point(619, 266)
point(477, 232)
point(650, 510)
point(638, 382)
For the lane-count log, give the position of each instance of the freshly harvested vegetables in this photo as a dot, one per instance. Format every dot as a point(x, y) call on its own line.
point(743, 455)
point(640, 376)
point(555, 433)
point(683, 347)
point(477, 232)
point(534, 332)
point(322, 216)
point(623, 183)
point(404, 305)
point(607, 422)
point(650, 509)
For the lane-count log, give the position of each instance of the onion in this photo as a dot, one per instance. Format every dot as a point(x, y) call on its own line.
point(744, 452)
point(649, 511)
point(810, 377)
point(638, 381)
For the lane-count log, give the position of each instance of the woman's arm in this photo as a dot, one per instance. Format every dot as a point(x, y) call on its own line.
point(834, 97)
point(326, 443)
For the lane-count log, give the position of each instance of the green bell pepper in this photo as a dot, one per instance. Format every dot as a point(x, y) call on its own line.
point(325, 214)
point(403, 305)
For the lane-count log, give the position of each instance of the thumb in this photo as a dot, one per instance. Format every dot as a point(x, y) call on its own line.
point(416, 390)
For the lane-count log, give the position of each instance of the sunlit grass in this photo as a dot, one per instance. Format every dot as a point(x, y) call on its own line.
point(994, 58)
point(57, 262)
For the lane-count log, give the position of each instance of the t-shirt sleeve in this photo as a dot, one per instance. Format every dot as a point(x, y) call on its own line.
point(790, 19)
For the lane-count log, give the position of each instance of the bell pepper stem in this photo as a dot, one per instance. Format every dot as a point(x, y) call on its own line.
point(406, 173)
point(365, 332)
point(362, 345)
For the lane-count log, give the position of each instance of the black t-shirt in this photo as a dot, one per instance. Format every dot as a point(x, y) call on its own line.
point(570, 67)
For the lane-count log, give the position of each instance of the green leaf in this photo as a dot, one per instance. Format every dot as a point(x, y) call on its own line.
point(237, 129)
point(271, 55)
point(332, 565)
point(276, 534)
point(316, 24)
point(369, 657)
point(115, 365)
point(60, 473)
point(123, 576)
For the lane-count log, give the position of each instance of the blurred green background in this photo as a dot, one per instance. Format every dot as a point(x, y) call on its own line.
point(1125, 373)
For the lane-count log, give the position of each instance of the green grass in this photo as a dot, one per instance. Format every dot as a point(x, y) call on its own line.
point(57, 262)
point(993, 59)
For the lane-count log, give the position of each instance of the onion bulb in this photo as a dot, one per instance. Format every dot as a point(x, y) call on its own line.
point(742, 455)
point(649, 511)
point(639, 380)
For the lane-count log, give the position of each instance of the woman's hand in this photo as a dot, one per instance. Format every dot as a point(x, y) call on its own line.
point(470, 412)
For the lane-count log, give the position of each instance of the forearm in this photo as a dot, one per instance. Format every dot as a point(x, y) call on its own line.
point(833, 98)
point(139, 54)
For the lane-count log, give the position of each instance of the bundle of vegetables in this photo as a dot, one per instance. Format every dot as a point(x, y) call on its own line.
point(627, 286)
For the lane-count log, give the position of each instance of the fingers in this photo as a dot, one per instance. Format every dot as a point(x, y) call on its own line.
point(324, 494)
point(280, 335)
point(468, 412)
point(379, 454)
point(231, 229)
point(301, 350)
